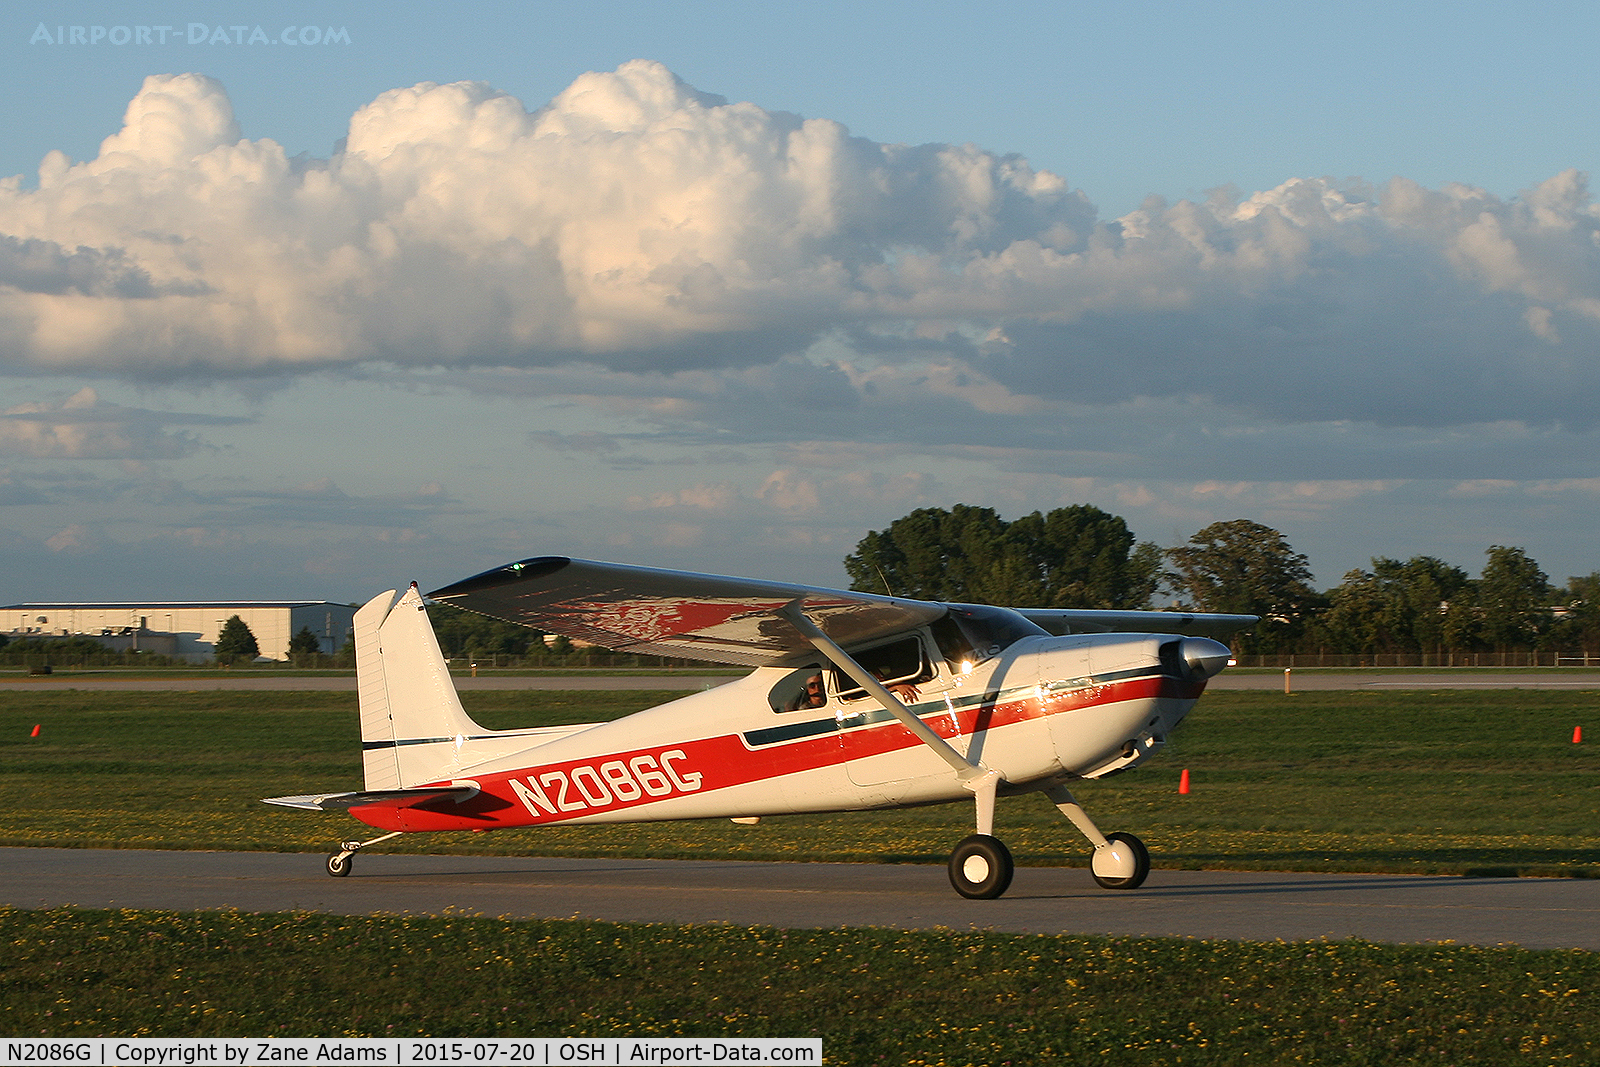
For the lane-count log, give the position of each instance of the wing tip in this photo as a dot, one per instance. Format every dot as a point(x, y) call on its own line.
point(521, 570)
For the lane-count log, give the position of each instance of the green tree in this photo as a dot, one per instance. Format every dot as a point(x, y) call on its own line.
point(1395, 607)
point(467, 634)
point(304, 643)
point(76, 646)
point(235, 642)
point(1076, 556)
point(1082, 557)
point(1246, 568)
point(1579, 627)
point(1514, 596)
point(1359, 616)
point(1463, 621)
point(1425, 587)
point(931, 554)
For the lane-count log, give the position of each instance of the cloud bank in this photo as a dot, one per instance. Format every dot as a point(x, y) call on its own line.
point(636, 224)
point(82, 426)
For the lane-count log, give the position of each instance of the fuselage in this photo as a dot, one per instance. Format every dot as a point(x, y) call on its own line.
point(803, 738)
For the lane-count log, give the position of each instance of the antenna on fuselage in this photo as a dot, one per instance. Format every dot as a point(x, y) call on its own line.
point(883, 579)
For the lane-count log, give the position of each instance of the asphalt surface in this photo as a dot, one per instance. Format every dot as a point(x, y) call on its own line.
point(1300, 681)
point(1531, 912)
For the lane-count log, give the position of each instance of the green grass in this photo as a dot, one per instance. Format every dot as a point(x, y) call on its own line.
point(1431, 782)
point(1408, 781)
point(874, 996)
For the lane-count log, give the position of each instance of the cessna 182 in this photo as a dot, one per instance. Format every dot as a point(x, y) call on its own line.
point(857, 701)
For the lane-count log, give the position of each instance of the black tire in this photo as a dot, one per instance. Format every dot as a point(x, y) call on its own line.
point(339, 864)
point(981, 867)
point(1141, 859)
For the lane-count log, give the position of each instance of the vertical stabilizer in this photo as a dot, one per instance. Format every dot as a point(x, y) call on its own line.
point(413, 728)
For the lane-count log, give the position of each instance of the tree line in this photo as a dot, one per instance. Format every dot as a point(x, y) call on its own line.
point(1083, 557)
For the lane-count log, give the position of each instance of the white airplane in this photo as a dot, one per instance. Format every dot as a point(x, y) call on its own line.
point(856, 702)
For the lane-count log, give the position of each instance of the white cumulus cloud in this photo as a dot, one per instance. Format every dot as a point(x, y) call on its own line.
point(637, 224)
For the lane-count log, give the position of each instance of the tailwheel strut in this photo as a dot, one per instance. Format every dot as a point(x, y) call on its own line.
point(339, 860)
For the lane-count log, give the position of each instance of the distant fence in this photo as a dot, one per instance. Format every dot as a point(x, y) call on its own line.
point(1413, 659)
point(602, 660)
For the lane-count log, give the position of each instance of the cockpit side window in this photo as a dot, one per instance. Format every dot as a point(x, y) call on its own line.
point(972, 633)
point(799, 690)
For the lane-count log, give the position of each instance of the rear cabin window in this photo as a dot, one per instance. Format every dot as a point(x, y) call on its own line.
point(896, 663)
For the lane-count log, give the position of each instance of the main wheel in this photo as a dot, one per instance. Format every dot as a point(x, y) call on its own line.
point(981, 867)
point(1122, 865)
point(339, 863)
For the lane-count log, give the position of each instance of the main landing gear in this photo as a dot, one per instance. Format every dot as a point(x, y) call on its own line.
point(981, 866)
point(340, 860)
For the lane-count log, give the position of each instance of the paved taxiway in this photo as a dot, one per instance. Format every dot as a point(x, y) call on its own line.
point(1532, 912)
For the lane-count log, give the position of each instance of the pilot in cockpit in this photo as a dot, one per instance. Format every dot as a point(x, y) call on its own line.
point(812, 695)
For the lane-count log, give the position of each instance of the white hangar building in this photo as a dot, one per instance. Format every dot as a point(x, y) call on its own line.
point(183, 628)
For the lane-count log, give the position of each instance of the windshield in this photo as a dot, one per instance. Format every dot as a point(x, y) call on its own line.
point(972, 633)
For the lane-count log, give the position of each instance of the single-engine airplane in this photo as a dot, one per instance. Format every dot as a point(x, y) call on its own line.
point(857, 701)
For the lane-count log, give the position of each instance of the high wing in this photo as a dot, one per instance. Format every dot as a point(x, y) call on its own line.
point(678, 613)
point(1086, 621)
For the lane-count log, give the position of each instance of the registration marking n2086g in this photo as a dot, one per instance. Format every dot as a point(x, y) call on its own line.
point(587, 787)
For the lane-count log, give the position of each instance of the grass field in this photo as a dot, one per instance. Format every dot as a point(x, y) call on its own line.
point(1416, 781)
point(1409, 781)
point(874, 996)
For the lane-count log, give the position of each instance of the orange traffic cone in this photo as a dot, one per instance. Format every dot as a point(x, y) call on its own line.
point(1183, 782)
point(36, 731)
point(1577, 735)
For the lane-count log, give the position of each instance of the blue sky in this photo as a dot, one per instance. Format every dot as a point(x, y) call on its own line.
point(802, 269)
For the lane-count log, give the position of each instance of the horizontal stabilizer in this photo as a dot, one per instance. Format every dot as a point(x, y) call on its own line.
point(340, 801)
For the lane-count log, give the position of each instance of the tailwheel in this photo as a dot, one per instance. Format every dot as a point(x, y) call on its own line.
point(981, 867)
point(1122, 864)
point(339, 859)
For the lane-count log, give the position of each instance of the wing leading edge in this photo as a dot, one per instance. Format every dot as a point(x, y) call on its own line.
point(735, 620)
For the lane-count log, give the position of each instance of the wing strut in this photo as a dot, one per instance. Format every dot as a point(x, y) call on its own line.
point(982, 781)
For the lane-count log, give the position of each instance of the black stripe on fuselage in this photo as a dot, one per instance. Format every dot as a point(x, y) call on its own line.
point(404, 742)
